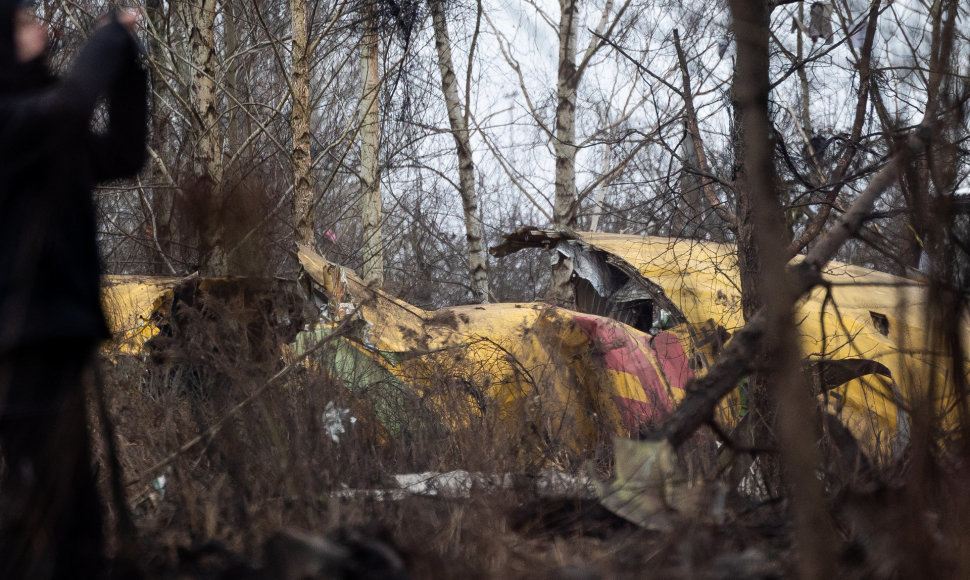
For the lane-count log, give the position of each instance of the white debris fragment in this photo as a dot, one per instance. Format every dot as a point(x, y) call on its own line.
point(158, 485)
point(345, 309)
point(333, 421)
point(460, 483)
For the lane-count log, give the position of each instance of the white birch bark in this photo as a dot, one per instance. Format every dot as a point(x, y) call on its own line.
point(162, 196)
point(373, 251)
point(466, 165)
point(564, 145)
point(207, 154)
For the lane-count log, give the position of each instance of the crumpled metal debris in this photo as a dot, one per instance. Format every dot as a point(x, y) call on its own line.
point(651, 489)
point(333, 419)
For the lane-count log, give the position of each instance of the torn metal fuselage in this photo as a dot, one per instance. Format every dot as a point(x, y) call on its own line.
point(864, 335)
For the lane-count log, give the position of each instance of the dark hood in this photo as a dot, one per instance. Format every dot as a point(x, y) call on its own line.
point(16, 76)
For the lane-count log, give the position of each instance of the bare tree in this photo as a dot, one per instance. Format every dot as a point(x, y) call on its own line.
point(371, 213)
point(458, 119)
point(300, 123)
point(571, 68)
point(206, 164)
point(761, 243)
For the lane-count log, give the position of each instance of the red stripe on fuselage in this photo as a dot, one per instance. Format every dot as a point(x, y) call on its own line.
point(626, 353)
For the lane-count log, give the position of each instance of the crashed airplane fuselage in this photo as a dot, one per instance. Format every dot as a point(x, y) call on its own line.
point(653, 313)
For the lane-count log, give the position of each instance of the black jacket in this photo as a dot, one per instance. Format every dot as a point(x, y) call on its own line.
point(50, 159)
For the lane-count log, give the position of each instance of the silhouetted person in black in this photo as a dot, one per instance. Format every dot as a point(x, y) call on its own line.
point(50, 314)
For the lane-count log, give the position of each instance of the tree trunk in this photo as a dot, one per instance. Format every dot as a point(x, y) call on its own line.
point(372, 270)
point(237, 83)
point(423, 296)
point(696, 189)
point(163, 196)
point(564, 144)
point(746, 93)
point(300, 125)
point(206, 165)
point(466, 165)
point(803, 86)
point(594, 223)
point(780, 397)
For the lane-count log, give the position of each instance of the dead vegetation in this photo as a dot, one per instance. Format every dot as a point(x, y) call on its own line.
point(276, 491)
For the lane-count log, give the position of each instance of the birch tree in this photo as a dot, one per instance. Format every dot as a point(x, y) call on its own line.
point(564, 145)
point(569, 75)
point(206, 163)
point(372, 270)
point(458, 120)
point(300, 124)
point(161, 207)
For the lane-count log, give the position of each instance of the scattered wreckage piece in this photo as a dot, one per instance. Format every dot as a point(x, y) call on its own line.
point(293, 554)
point(346, 553)
point(129, 303)
point(651, 488)
point(462, 484)
point(161, 315)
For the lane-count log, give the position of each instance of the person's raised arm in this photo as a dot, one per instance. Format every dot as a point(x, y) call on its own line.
point(66, 106)
point(121, 150)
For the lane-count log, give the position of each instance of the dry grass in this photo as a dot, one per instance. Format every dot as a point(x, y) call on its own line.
point(273, 466)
